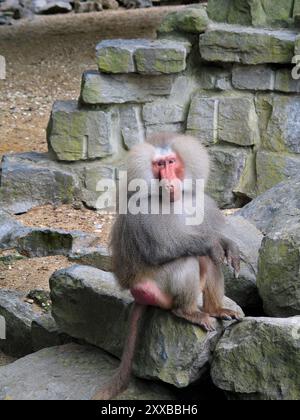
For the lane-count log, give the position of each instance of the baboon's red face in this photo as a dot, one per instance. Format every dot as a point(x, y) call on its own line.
point(168, 168)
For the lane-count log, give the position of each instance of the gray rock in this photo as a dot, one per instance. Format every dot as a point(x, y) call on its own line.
point(214, 78)
point(29, 180)
point(174, 351)
point(244, 290)
point(142, 56)
point(190, 19)
point(273, 168)
point(8, 229)
point(45, 333)
point(132, 126)
point(297, 45)
point(50, 7)
point(162, 57)
point(259, 359)
point(268, 211)
point(105, 89)
point(117, 55)
point(223, 118)
point(232, 175)
point(34, 179)
point(98, 257)
point(278, 270)
point(280, 125)
point(163, 112)
point(70, 372)
point(238, 44)
point(285, 83)
point(18, 317)
point(78, 134)
point(261, 13)
point(158, 128)
point(42, 242)
point(260, 77)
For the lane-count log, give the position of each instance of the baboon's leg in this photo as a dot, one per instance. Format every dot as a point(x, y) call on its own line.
point(212, 281)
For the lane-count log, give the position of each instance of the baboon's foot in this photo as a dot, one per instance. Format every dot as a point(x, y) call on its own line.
point(226, 315)
point(198, 318)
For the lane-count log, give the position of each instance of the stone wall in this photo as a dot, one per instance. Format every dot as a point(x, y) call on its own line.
point(230, 86)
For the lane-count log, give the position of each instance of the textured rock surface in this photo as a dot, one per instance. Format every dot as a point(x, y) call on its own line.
point(8, 230)
point(142, 56)
point(132, 127)
point(270, 210)
point(87, 304)
point(29, 180)
point(277, 214)
point(70, 372)
point(232, 176)
point(223, 118)
point(260, 77)
point(105, 89)
point(285, 82)
point(98, 257)
point(237, 44)
point(45, 333)
point(42, 242)
point(297, 45)
point(259, 359)
point(192, 20)
point(77, 134)
point(279, 122)
point(33, 179)
point(278, 271)
point(273, 168)
point(244, 290)
point(252, 12)
point(18, 317)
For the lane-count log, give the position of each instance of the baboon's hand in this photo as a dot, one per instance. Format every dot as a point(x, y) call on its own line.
point(232, 254)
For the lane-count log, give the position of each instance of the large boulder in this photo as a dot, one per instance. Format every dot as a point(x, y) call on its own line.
point(43, 242)
point(69, 372)
point(273, 168)
point(244, 290)
point(87, 304)
point(259, 359)
point(18, 317)
point(278, 277)
point(246, 45)
point(30, 179)
point(270, 210)
point(277, 214)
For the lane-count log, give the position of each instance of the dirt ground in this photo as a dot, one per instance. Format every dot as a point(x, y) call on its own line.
point(29, 274)
point(45, 59)
point(66, 217)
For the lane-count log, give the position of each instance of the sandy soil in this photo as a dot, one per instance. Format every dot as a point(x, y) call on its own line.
point(28, 274)
point(45, 60)
point(66, 217)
